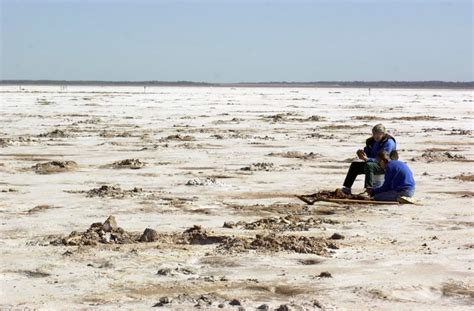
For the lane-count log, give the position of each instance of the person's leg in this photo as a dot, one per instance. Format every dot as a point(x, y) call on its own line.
point(407, 193)
point(371, 169)
point(355, 169)
point(387, 196)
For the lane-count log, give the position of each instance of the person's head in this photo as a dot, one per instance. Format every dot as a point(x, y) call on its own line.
point(378, 132)
point(383, 158)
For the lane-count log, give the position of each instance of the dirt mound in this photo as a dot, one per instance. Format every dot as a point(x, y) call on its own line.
point(111, 134)
point(113, 192)
point(128, 163)
point(277, 243)
point(286, 223)
point(289, 116)
point(438, 156)
point(179, 137)
point(296, 155)
point(260, 166)
point(421, 118)
point(464, 177)
point(54, 134)
point(405, 118)
point(198, 235)
point(5, 142)
point(99, 233)
point(280, 117)
point(54, 167)
point(40, 208)
point(460, 132)
point(201, 182)
point(336, 194)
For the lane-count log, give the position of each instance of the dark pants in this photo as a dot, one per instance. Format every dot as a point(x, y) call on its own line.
point(368, 168)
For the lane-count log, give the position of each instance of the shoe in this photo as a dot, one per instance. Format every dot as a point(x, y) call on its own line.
point(346, 190)
point(406, 200)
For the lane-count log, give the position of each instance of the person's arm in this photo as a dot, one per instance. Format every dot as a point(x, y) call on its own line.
point(389, 146)
point(389, 173)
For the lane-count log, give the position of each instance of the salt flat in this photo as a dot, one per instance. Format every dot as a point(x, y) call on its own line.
point(196, 147)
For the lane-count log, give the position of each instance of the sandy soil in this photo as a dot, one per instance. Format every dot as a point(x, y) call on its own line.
point(172, 158)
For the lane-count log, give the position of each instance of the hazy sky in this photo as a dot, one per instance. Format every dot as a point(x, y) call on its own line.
point(235, 41)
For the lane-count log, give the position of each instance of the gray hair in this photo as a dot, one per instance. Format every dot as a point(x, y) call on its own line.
point(379, 128)
point(383, 156)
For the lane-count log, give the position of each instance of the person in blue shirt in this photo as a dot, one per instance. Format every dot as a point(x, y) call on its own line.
point(399, 181)
point(367, 163)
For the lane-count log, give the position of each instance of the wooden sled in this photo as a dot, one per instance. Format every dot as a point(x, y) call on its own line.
point(310, 200)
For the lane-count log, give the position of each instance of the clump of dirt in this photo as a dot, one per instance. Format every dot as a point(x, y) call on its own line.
point(338, 126)
point(179, 137)
point(259, 166)
point(111, 134)
point(279, 208)
point(57, 133)
point(296, 155)
point(40, 208)
point(420, 118)
point(149, 235)
point(99, 233)
point(113, 192)
point(460, 132)
point(336, 194)
point(283, 117)
point(204, 301)
point(201, 182)
point(280, 117)
point(311, 261)
point(54, 167)
point(168, 271)
point(458, 289)
point(407, 118)
point(371, 118)
point(438, 156)
point(198, 235)
point(315, 118)
point(129, 164)
point(5, 142)
point(276, 243)
point(464, 177)
point(284, 223)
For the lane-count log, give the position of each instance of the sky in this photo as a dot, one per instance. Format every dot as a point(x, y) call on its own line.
point(237, 41)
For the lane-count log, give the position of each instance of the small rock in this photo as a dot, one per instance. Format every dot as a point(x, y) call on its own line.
point(165, 271)
point(337, 236)
point(163, 301)
point(110, 224)
point(235, 302)
point(149, 235)
point(264, 307)
point(221, 305)
point(325, 274)
point(283, 308)
point(229, 224)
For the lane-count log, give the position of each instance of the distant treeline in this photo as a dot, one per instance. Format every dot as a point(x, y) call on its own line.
point(335, 84)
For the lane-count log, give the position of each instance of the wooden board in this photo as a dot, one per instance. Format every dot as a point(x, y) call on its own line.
point(307, 199)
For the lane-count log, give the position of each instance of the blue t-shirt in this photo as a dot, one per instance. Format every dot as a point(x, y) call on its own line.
point(388, 146)
point(398, 177)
